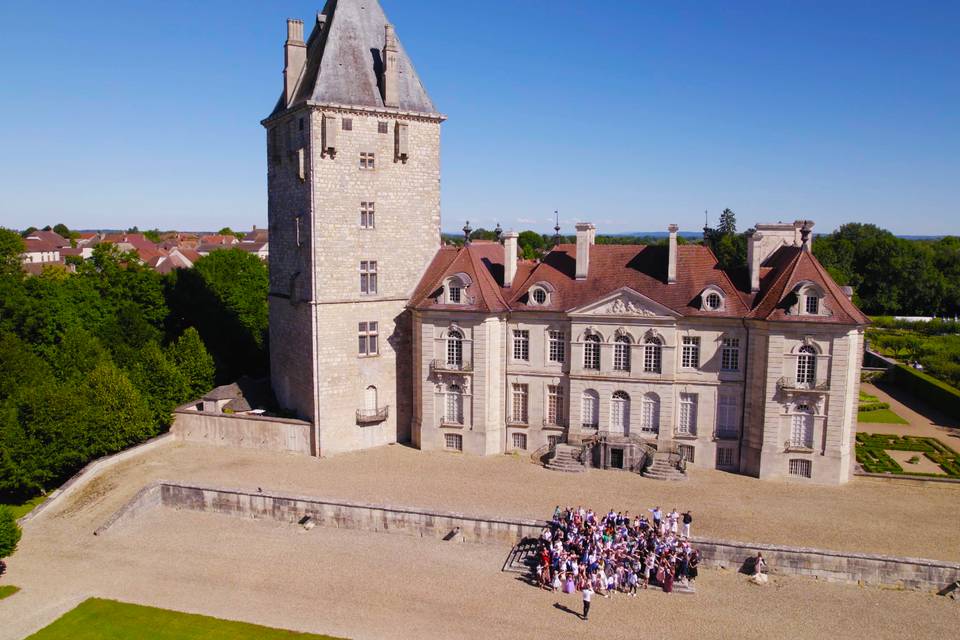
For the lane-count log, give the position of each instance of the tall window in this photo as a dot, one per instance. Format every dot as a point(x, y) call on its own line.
point(813, 304)
point(555, 404)
point(520, 404)
point(591, 353)
point(521, 345)
point(807, 366)
point(727, 415)
point(688, 414)
point(367, 160)
point(690, 357)
point(453, 441)
point(368, 277)
point(368, 339)
point(454, 292)
point(620, 413)
point(557, 351)
point(367, 215)
point(453, 413)
point(621, 353)
point(650, 413)
point(590, 409)
point(370, 399)
point(801, 429)
point(730, 354)
point(455, 348)
point(652, 355)
point(520, 441)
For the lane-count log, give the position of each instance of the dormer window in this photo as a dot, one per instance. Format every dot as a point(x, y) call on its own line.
point(812, 304)
point(454, 290)
point(809, 300)
point(712, 299)
point(539, 296)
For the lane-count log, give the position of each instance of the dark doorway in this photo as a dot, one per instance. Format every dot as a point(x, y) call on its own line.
point(616, 458)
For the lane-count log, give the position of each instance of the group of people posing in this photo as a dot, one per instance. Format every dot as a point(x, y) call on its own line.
point(606, 553)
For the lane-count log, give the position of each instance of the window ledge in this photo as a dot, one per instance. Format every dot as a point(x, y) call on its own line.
point(795, 449)
point(513, 423)
point(684, 436)
point(451, 425)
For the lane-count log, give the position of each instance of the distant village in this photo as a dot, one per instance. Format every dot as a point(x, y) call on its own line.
point(171, 250)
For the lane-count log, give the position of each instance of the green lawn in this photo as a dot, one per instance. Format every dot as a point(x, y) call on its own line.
point(8, 590)
point(885, 416)
point(20, 510)
point(97, 619)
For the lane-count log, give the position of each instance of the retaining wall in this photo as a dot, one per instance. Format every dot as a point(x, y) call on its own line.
point(834, 566)
point(246, 431)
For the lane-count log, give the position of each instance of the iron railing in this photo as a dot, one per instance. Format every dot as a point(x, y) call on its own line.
point(451, 367)
point(792, 384)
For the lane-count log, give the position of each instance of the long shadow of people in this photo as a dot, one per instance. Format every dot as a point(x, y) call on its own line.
point(557, 605)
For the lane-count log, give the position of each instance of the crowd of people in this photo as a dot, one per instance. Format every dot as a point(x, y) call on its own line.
point(616, 552)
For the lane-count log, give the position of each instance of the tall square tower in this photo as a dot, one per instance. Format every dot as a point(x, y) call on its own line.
point(353, 151)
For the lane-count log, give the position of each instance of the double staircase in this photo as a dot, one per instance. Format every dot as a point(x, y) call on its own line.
point(664, 467)
point(566, 458)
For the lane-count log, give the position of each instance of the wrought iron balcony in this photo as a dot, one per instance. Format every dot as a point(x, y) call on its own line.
point(792, 384)
point(372, 416)
point(443, 366)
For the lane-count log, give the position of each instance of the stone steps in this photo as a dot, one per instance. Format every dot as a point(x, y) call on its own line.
point(662, 469)
point(564, 460)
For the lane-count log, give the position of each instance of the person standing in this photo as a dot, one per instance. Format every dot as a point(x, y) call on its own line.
point(687, 521)
point(587, 596)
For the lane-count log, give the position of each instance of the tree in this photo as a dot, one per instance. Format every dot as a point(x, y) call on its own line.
point(62, 230)
point(190, 355)
point(26, 232)
point(153, 235)
point(160, 382)
point(11, 250)
point(728, 222)
point(9, 532)
point(531, 244)
point(227, 231)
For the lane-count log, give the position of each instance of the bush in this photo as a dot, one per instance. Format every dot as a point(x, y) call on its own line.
point(939, 394)
point(9, 532)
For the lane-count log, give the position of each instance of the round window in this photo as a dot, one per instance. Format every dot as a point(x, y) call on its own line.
point(713, 301)
point(539, 296)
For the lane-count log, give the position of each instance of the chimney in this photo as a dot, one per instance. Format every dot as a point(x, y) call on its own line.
point(754, 259)
point(391, 71)
point(509, 257)
point(672, 257)
point(806, 230)
point(295, 57)
point(586, 233)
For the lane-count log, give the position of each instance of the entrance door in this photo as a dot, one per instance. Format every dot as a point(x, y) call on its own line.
point(616, 458)
point(620, 414)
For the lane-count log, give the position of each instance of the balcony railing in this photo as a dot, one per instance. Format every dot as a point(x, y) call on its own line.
point(451, 367)
point(792, 384)
point(547, 422)
point(372, 416)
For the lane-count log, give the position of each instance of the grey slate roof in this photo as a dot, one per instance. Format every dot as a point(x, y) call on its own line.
point(344, 61)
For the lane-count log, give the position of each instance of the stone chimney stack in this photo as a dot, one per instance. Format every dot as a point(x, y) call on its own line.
point(586, 234)
point(295, 57)
point(754, 258)
point(391, 72)
point(509, 257)
point(672, 257)
point(806, 231)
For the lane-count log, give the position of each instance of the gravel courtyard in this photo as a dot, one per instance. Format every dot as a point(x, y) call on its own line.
point(362, 585)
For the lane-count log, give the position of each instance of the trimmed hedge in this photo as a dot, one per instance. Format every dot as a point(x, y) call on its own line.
point(872, 454)
point(936, 392)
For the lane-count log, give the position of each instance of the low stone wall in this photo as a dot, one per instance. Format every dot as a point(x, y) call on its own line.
point(834, 566)
point(247, 431)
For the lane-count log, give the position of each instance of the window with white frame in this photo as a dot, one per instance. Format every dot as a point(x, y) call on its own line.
point(621, 353)
point(520, 404)
point(712, 301)
point(453, 412)
point(806, 366)
point(812, 304)
point(687, 425)
point(538, 295)
point(368, 339)
point(453, 441)
point(687, 452)
point(730, 354)
point(455, 348)
point(650, 413)
point(555, 404)
point(590, 409)
point(652, 355)
point(801, 427)
point(690, 355)
point(724, 457)
point(367, 160)
point(454, 292)
point(620, 413)
point(367, 215)
point(521, 345)
point(727, 415)
point(520, 441)
point(799, 468)
point(591, 352)
point(557, 347)
point(368, 277)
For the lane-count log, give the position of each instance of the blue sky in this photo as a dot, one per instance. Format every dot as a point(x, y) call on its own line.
point(628, 114)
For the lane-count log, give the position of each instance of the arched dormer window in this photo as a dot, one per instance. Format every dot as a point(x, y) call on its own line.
point(540, 294)
point(455, 289)
point(809, 298)
point(621, 353)
point(712, 299)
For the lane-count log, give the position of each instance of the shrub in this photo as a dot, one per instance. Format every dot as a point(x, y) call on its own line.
point(9, 532)
point(928, 388)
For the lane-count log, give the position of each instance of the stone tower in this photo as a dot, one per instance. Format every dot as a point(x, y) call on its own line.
point(353, 151)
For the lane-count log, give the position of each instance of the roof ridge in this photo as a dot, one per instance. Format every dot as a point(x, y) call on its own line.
point(787, 270)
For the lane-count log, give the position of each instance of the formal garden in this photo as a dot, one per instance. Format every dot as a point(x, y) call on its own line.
point(95, 619)
point(906, 455)
point(874, 410)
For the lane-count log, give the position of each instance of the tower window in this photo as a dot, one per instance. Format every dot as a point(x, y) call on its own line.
point(367, 215)
point(382, 127)
point(368, 277)
point(367, 160)
point(347, 124)
point(367, 337)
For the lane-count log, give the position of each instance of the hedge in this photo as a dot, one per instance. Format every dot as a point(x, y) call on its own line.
point(871, 451)
point(936, 392)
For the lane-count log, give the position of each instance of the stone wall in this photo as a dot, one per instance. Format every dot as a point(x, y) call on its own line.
point(245, 431)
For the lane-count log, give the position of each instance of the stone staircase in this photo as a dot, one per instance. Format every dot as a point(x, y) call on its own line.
point(663, 468)
point(565, 458)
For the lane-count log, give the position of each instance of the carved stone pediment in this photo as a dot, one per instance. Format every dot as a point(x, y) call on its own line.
point(626, 302)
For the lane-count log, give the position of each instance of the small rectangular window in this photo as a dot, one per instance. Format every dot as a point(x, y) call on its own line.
point(382, 127)
point(813, 305)
point(368, 339)
point(347, 124)
point(688, 452)
point(367, 160)
point(453, 441)
point(521, 345)
point(690, 358)
point(520, 441)
point(367, 215)
point(800, 468)
point(724, 458)
point(730, 354)
point(558, 346)
point(454, 293)
point(368, 277)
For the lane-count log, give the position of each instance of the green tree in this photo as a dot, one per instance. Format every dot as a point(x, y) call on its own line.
point(160, 382)
point(728, 222)
point(531, 244)
point(9, 532)
point(62, 230)
point(153, 235)
point(227, 231)
point(190, 355)
point(115, 414)
point(11, 249)
point(26, 232)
